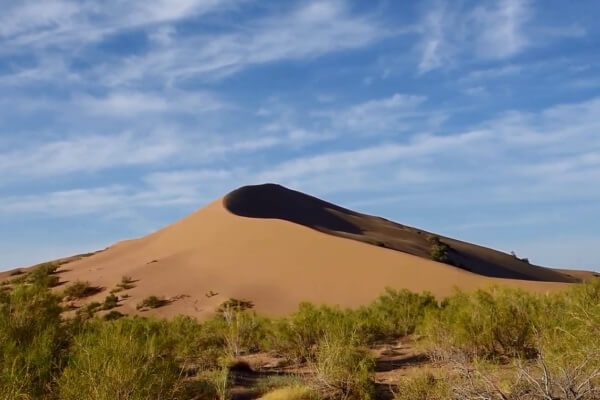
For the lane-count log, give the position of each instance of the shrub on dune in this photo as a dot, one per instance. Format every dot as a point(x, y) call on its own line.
point(126, 359)
point(32, 342)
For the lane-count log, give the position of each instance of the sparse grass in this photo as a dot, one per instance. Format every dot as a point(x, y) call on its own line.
point(151, 302)
point(295, 392)
point(80, 290)
point(110, 302)
point(422, 387)
point(16, 272)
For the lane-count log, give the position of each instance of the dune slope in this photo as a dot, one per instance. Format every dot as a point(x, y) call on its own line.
point(278, 249)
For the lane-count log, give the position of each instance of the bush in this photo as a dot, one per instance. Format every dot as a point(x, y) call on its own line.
point(111, 301)
point(296, 392)
point(79, 290)
point(393, 314)
point(43, 275)
point(151, 302)
point(422, 387)
point(438, 250)
point(126, 359)
point(495, 323)
point(296, 336)
point(32, 342)
point(342, 370)
point(114, 314)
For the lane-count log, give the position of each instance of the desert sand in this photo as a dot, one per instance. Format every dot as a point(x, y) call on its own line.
point(277, 247)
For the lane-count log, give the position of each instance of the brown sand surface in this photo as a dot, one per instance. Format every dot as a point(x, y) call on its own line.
point(215, 254)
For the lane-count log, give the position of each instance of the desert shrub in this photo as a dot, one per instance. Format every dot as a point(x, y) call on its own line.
point(16, 272)
point(343, 370)
point(111, 316)
point(499, 322)
point(151, 302)
point(296, 336)
point(424, 386)
point(394, 314)
point(44, 275)
point(129, 358)
point(538, 380)
point(110, 302)
point(271, 382)
point(79, 290)
point(126, 283)
point(294, 392)
point(438, 250)
point(232, 304)
point(32, 342)
point(242, 330)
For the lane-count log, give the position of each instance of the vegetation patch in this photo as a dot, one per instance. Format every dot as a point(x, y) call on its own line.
point(152, 302)
point(80, 290)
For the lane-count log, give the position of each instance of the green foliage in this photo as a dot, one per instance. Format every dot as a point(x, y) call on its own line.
point(292, 392)
point(110, 302)
point(342, 369)
point(126, 359)
point(44, 275)
point(114, 314)
point(422, 387)
point(79, 290)
point(438, 250)
point(32, 341)
point(151, 302)
point(296, 336)
point(394, 314)
point(500, 322)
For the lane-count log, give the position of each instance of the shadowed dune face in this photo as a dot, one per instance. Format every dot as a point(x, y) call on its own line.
point(273, 201)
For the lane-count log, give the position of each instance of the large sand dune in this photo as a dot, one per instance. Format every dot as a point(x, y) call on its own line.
point(277, 247)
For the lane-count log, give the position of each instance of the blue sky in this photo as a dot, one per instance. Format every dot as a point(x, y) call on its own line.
point(478, 120)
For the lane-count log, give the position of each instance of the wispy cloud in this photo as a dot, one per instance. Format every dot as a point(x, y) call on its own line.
point(324, 26)
point(491, 30)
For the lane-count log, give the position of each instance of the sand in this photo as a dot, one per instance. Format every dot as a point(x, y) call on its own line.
point(216, 254)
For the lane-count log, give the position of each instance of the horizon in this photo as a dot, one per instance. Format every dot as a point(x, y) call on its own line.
point(478, 121)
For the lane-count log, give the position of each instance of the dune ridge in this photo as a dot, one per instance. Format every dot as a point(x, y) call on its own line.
point(277, 247)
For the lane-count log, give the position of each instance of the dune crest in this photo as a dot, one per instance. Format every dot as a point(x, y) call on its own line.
point(277, 247)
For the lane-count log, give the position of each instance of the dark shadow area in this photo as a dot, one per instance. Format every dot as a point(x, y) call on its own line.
point(275, 201)
point(271, 201)
point(385, 365)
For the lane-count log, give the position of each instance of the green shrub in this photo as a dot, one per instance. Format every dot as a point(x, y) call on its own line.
point(114, 314)
point(126, 359)
point(438, 249)
point(126, 283)
point(296, 336)
point(79, 290)
point(499, 322)
point(44, 275)
point(32, 342)
point(342, 370)
point(422, 387)
point(393, 314)
point(293, 392)
point(110, 302)
point(151, 302)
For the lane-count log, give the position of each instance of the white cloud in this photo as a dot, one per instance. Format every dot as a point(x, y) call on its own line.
point(378, 116)
point(87, 153)
point(129, 103)
point(324, 26)
point(494, 30)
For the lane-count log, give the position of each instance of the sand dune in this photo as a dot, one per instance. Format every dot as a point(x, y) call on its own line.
point(277, 247)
